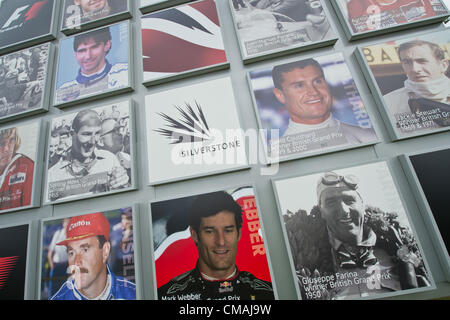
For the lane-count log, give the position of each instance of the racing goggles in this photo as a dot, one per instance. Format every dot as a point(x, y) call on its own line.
point(334, 179)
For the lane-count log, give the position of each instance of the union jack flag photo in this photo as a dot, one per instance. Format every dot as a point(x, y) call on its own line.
point(182, 40)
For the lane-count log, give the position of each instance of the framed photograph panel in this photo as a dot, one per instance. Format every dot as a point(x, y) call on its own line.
point(81, 15)
point(211, 247)
point(25, 82)
point(193, 131)
point(428, 174)
point(20, 165)
point(308, 107)
point(147, 6)
point(13, 261)
point(181, 41)
point(365, 18)
point(349, 235)
point(447, 22)
point(90, 256)
point(410, 81)
point(270, 28)
point(91, 153)
point(24, 23)
point(93, 64)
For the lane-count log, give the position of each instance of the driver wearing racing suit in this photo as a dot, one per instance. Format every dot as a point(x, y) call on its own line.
point(215, 225)
point(96, 73)
point(88, 249)
point(16, 172)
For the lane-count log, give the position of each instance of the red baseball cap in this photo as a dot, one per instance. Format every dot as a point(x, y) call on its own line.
point(85, 226)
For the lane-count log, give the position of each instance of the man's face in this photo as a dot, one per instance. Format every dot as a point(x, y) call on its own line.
point(126, 222)
point(84, 141)
point(91, 5)
point(54, 143)
point(22, 65)
point(91, 259)
point(64, 142)
point(420, 64)
point(343, 211)
point(7, 145)
point(306, 95)
point(91, 55)
point(111, 137)
point(216, 242)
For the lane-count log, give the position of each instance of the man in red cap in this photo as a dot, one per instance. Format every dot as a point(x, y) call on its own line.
point(88, 249)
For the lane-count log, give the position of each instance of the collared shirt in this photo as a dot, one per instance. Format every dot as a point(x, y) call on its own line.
point(117, 288)
point(115, 78)
point(350, 134)
point(65, 181)
point(294, 127)
point(358, 281)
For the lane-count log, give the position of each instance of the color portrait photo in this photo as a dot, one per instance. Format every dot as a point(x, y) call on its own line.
point(211, 247)
point(93, 63)
point(310, 106)
point(89, 257)
point(372, 15)
point(412, 78)
point(18, 166)
point(81, 12)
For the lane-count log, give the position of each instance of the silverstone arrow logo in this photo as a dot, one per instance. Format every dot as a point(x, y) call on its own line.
point(6, 265)
point(191, 128)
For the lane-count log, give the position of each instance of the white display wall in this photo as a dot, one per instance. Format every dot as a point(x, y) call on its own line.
point(255, 174)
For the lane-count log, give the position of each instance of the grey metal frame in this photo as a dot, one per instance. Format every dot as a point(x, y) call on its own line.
point(286, 50)
point(96, 23)
point(160, 182)
point(136, 246)
point(51, 35)
point(108, 93)
point(336, 4)
point(38, 164)
point(133, 153)
point(426, 210)
point(378, 97)
point(377, 296)
point(194, 193)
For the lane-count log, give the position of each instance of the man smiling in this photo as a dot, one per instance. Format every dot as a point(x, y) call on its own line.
point(427, 86)
point(88, 249)
point(301, 86)
point(215, 221)
point(96, 73)
point(90, 7)
point(85, 162)
point(90, 10)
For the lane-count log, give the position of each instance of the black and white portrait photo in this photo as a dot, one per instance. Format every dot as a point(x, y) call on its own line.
point(349, 235)
point(271, 26)
point(23, 77)
point(90, 153)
